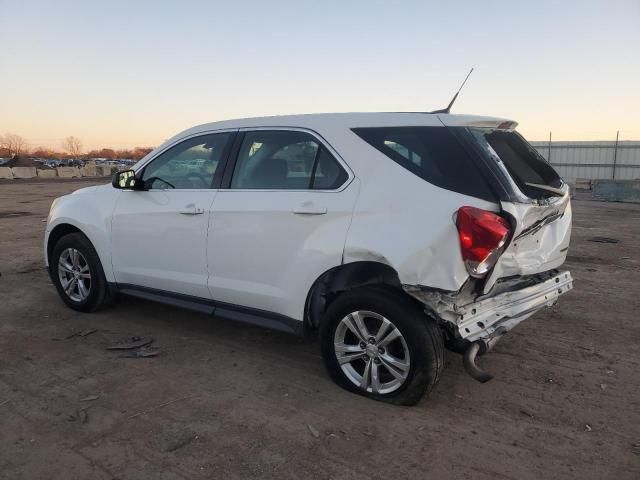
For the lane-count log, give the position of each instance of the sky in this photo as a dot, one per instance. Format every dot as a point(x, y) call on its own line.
point(129, 73)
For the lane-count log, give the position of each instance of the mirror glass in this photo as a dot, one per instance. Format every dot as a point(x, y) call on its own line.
point(124, 180)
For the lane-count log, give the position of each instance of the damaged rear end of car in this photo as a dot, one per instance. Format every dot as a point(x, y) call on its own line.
point(512, 250)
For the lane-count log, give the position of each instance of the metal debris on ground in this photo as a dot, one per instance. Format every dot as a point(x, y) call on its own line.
point(131, 343)
point(587, 428)
point(143, 352)
point(82, 333)
point(604, 240)
point(313, 430)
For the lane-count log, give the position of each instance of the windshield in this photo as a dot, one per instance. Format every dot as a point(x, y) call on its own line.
point(528, 169)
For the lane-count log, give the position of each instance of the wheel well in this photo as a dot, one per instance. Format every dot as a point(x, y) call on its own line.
point(339, 279)
point(57, 233)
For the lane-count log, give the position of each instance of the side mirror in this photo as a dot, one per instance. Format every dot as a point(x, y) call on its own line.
point(126, 180)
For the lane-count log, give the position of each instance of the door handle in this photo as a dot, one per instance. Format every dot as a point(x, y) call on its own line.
point(309, 208)
point(191, 210)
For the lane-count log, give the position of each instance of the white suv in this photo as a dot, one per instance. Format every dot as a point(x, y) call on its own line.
point(388, 235)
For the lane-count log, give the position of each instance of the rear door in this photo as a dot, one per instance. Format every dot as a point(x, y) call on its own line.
point(280, 221)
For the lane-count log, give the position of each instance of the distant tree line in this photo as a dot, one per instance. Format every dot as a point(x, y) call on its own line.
point(14, 146)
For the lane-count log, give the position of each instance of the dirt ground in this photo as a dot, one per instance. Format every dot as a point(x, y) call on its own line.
point(225, 400)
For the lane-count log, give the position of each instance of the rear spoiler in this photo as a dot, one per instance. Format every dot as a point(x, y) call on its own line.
point(475, 122)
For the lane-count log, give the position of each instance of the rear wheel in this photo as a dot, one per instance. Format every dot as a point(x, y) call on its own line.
point(77, 273)
point(378, 343)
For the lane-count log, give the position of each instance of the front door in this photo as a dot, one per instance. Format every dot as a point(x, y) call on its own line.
point(159, 235)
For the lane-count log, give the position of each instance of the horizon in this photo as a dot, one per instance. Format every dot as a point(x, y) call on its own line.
point(62, 151)
point(130, 80)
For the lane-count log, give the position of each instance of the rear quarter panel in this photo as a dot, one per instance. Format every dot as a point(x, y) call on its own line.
point(409, 224)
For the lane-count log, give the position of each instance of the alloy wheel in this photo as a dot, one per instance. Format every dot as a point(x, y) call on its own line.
point(372, 352)
point(74, 274)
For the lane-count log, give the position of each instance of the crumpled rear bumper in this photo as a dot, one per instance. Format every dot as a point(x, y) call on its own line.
point(491, 317)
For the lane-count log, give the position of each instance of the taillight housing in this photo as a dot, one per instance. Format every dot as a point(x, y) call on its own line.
point(483, 236)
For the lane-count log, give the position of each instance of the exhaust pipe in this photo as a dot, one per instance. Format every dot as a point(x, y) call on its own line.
point(469, 361)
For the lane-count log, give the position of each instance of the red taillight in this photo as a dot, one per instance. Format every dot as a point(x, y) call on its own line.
point(482, 235)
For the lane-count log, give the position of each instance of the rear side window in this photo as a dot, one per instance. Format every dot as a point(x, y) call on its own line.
point(433, 154)
point(285, 160)
point(523, 162)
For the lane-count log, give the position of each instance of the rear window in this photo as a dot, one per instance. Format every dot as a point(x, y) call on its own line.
point(433, 154)
point(523, 162)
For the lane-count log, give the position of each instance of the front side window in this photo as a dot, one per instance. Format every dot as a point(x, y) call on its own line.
point(285, 160)
point(191, 164)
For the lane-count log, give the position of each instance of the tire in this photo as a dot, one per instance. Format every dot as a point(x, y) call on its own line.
point(97, 295)
point(420, 336)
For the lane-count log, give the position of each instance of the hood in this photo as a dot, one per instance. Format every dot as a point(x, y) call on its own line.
point(92, 189)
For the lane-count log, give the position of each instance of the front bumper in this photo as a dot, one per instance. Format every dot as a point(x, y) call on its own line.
point(491, 317)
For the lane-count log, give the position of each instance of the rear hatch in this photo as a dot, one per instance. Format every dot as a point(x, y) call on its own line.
point(532, 195)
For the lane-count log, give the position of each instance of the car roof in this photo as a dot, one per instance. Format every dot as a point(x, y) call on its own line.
point(321, 121)
point(336, 127)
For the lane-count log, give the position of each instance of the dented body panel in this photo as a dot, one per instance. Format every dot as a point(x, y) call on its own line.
point(424, 250)
point(412, 230)
point(540, 241)
point(500, 313)
point(477, 317)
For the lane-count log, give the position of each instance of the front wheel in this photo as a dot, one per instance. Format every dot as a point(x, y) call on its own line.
point(77, 273)
point(377, 342)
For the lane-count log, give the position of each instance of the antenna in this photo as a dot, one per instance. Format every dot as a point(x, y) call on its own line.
point(448, 109)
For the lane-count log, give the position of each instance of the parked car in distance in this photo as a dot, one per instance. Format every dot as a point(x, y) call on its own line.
point(388, 236)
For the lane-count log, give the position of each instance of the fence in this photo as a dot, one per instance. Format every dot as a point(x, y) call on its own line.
point(593, 160)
